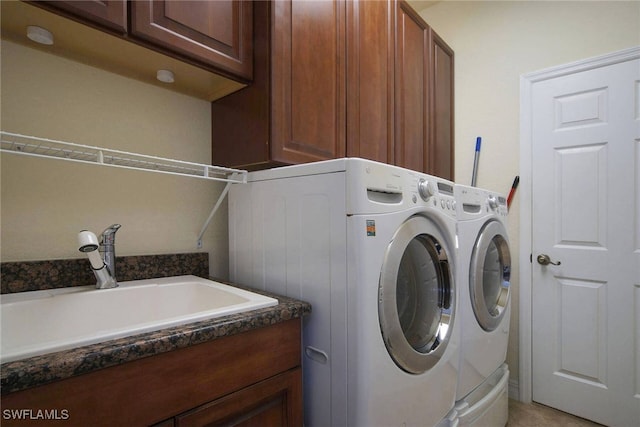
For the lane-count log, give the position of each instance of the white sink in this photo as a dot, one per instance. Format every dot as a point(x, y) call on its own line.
point(40, 322)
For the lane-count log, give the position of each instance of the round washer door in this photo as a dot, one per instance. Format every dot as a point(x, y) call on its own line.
point(416, 295)
point(490, 275)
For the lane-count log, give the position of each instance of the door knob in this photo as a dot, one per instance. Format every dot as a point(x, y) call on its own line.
point(543, 259)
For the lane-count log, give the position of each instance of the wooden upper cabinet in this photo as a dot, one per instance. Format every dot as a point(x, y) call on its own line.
point(423, 97)
point(240, 122)
point(308, 102)
point(358, 78)
point(109, 14)
point(295, 109)
point(441, 153)
point(215, 33)
point(411, 89)
point(370, 80)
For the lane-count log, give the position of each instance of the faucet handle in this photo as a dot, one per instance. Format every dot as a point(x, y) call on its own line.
point(108, 236)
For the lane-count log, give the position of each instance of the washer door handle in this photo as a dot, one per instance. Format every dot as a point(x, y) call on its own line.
point(544, 259)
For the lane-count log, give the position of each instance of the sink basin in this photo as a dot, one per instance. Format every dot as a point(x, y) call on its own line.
point(40, 322)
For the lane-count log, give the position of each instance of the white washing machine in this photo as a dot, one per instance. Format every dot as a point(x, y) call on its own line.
point(371, 247)
point(483, 276)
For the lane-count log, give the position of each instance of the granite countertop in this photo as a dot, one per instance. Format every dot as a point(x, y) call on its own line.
point(43, 369)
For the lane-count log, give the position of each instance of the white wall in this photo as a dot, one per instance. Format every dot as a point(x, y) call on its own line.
point(495, 43)
point(44, 203)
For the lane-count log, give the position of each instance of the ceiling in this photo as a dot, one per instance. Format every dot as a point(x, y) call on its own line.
point(419, 5)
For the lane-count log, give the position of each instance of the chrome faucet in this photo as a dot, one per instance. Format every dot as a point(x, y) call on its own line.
point(103, 269)
point(108, 248)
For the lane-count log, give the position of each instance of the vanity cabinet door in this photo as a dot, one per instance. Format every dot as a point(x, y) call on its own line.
point(272, 402)
point(215, 33)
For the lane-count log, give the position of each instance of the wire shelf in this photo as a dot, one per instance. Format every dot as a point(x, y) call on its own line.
point(15, 143)
point(49, 148)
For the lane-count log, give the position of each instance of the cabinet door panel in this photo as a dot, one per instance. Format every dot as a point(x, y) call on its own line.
point(111, 14)
point(273, 402)
point(195, 19)
point(411, 96)
point(441, 153)
point(308, 81)
point(240, 122)
point(217, 33)
point(370, 71)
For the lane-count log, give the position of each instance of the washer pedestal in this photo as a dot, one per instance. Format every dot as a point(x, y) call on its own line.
point(487, 405)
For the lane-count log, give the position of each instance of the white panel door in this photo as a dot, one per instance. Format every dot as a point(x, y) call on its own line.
point(585, 186)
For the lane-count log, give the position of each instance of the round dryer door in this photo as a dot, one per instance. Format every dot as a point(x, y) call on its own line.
point(415, 295)
point(490, 275)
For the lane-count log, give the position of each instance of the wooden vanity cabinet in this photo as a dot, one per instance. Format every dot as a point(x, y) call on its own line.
point(255, 375)
point(335, 79)
point(268, 403)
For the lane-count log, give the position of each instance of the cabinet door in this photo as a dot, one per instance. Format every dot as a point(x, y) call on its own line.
point(111, 14)
point(411, 83)
point(215, 33)
point(308, 81)
point(240, 122)
point(274, 402)
point(441, 154)
point(370, 71)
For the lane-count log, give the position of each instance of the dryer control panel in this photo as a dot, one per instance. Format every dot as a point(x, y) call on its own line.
point(497, 204)
point(473, 202)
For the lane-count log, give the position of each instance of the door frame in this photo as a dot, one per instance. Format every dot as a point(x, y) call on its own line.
point(527, 81)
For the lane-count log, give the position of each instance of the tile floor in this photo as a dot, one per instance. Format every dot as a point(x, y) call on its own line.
point(536, 415)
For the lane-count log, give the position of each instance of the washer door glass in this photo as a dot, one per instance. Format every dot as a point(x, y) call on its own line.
point(490, 275)
point(416, 296)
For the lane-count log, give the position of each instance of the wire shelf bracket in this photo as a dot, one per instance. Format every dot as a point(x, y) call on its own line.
point(14, 143)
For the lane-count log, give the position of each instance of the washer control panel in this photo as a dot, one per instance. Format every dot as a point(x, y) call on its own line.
point(425, 189)
point(435, 192)
point(376, 187)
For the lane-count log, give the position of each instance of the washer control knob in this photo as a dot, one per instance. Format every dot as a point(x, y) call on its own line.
point(493, 203)
point(425, 189)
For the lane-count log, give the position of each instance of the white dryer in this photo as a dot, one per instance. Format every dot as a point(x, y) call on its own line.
point(371, 247)
point(483, 275)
